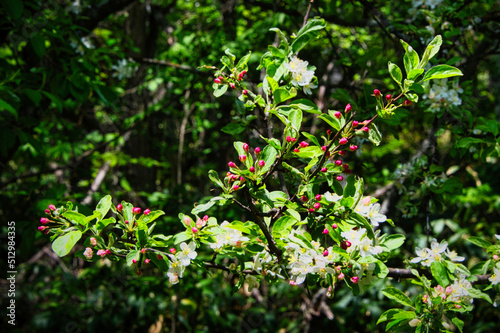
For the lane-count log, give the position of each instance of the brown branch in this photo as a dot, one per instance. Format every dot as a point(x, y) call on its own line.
point(171, 64)
point(307, 13)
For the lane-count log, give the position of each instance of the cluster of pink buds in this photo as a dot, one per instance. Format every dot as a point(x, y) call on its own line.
point(219, 79)
point(290, 139)
point(240, 76)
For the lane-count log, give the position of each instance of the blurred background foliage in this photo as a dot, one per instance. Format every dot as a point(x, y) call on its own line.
point(115, 97)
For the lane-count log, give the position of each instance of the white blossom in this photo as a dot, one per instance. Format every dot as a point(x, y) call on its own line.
point(374, 215)
point(495, 277)
point(123, 69)
point(187, 253)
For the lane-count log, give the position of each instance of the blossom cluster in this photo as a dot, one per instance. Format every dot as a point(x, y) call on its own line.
point(123, 69)
point(180, 260)
point(301, 76)
point(437, 252)
point(457, 292)
point(441, 95)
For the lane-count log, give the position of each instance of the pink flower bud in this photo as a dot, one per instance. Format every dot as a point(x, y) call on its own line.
point(407, 102)
point(262, 163)
point(44, 220)
point(242, 179)
point(101, 253)
point(236, 187)
point(146, 261)
point(328, 132)
point(334, 226)
point(338, 115)
point(119, 207)
point(126, 222)
point(205, 218)
point(345, 166)
point(242, 158)
point(348, 108)
point(257, 150)
point(159, 256)
point(42, 228)
point(242, 74)
point(88, 253)
point(341, 276)
point(318, 197)
point(136, 210)
point(293, 283)
point(93, 241)
point(311, 210)
point(108, 251)
point(323, 148)
point(289, 139)
point(134, 261)
point(338, 162)
point(139, 273)
point(47, 211)
point(221, 77)
point(343, 141)
point(234, 177)
point(246, 147)
point(340, 178)
point(304, 198)
point(495, 257)
point(217, 80)
point(245, 92)
point(172, 250)
point(353, 147)
point(342, 152)
point(296, 150)
point(317, 205)
point(325, 232)
point(325, 253)
point(365, 129)
point(252, 169)
point(231, 164)
point(52, 207)
point(294, 139)
point(388, 97)
point(143, 251)
point(355, 123)
point(232, 85)
point(457, 306)
point(348, 244)
point(323, 169)
point(303, 144)
point(147, 211)
point(376, 92)
point(354, 279)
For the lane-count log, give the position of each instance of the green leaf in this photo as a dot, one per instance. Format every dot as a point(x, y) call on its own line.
point(400, 320)
point(414, 73)
point(410, 59)
point(397, 295)
point(282, 225)
point(203, 207)
point(431, 50)
point(242, 64)
point(393, 242)
point(276, 52)
point(439, 273)
point(395, 72)
point(214, 177)
point(233, 128)
point(295, 117)
point(441, 72)
point(272, 83)
point(479, 241)
point(63, 244)
point(311, 138)
point(293, 170)
point(219, 89)
point(6, 106)
point(374, 135)
point(332, 121)
point(181, 237)
point(76, 218)
point(152, 216)
point(100, 225)
point(133, 255)
point(283, 38)
point(104, 205)
point(38, 44)
point(268, 155)
point(282, 94)
point(306, 105)
point(306, 33)
point(458, 323)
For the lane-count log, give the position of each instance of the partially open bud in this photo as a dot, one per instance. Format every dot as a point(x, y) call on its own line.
point(136, 210)
point(147, 211)
point(52, 207)
point(317, 205)
point(355, 279)
point(348, 108)
point(303, 144)
point(44, 220)
point(338, 115)
point(88, 253)
point(242, 158)
point(172, 250)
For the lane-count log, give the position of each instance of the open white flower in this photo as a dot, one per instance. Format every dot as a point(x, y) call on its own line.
point(495, 277)
point(374, 215)
point(175, 270)
point(453, 256)
point(187, 253)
